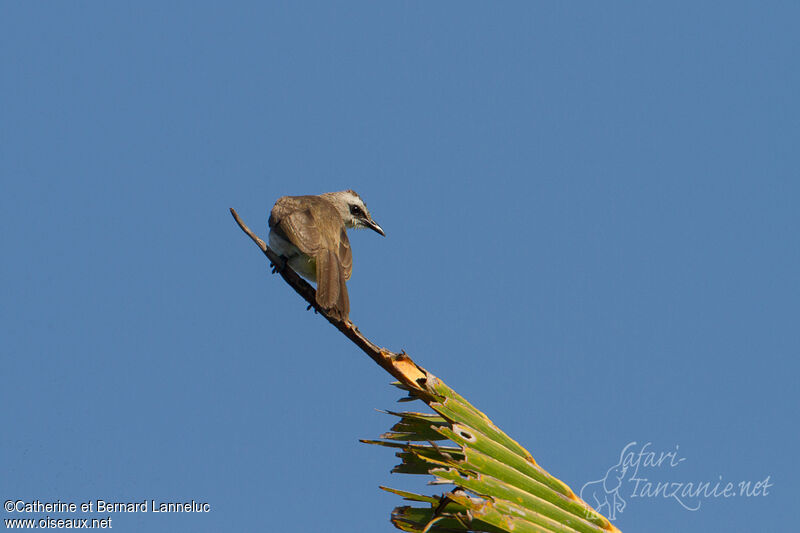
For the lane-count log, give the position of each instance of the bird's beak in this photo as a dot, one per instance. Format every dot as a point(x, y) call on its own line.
point(371, 224)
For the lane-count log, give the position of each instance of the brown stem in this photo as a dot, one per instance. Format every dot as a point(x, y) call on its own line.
point(398, 365)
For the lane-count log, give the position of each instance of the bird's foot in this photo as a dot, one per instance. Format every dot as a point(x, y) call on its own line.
point(310, 307)
point(281, 266)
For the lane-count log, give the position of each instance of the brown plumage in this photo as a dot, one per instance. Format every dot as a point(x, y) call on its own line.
point(310, 231)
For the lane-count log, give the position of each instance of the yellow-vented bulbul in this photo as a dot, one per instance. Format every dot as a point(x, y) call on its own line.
point(311, 233)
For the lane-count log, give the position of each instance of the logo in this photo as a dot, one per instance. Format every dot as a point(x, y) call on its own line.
point(638, 473)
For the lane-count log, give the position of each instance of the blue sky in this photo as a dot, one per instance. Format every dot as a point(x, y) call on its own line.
point(592, 234)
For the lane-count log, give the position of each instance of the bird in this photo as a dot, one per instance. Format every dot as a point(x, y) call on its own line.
point(310, 234)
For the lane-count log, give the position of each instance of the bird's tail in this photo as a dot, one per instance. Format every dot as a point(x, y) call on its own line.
point(331, 288)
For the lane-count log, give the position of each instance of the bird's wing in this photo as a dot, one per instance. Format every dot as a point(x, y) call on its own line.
point(300, 229)
point(345, 254)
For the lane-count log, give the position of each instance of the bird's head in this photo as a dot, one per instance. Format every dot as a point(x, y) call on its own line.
point(353, 210)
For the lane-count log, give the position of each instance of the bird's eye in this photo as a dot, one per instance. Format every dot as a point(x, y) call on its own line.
point(355, 211)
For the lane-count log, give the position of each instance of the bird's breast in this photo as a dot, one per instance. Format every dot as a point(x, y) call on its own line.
point(301, 263)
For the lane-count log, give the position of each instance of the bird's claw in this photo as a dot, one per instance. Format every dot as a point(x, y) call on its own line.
point(279, 267)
